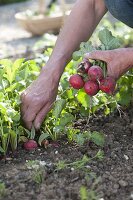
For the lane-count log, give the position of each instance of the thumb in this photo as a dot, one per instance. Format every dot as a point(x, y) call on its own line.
point(98, 55)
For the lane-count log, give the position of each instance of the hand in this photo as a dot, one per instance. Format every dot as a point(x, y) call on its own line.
point(38, 98)
point(118, 61)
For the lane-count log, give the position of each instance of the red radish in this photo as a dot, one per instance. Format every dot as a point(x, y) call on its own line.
point(87, 65)
point(84, 67)
point(95, 73)
point(91, 88)
point(76, 81)
point(45, 143)
point(30, 145)
point(108, 85)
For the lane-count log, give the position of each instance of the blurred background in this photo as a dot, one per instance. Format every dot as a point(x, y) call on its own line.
point(22, 23)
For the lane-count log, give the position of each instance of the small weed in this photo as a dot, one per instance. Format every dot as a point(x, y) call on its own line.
point(96, 137)
point(37, 170)
point(90, 194)
point(83, 193)
point(79, 164)
point(38, 176)
point(2, 189)
point(87, 195)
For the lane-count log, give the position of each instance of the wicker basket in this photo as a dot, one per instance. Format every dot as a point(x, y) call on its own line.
point(40, 24)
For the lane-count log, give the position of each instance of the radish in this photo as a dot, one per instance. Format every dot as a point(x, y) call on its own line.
point(30, 145)
point(45, 143)
point(108, 85)
point(95, 73)
point(84, 67)
point(91, 88)
point(76, 81)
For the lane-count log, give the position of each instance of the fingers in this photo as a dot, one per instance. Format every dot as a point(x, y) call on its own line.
point(29, 108)
point(30, 114)
point(41, 115)
point(23, 106)
point(98, 55)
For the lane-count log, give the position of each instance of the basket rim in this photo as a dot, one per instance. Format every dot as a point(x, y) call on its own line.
point(21, 16)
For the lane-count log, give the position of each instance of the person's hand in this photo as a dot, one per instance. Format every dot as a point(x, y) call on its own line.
point(118, 61)
point(38, 98)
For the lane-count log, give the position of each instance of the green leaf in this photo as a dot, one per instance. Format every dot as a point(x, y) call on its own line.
point(100, 154)
point(3, 107)
point(2, 150)
point(32, 133)
point(85, 47)
point(83, 193)
point(76, 55)
point(59, 106)
point(70, 94)
point(67, 118)
point(98, 138)
point(5, 141)
point(108, 40)
point(22, 139)
point(1, 96)
point(13, 140)
point(12, 87)
point(79, 138)
point(83, 98)
point(58, 129)
point(42, 137)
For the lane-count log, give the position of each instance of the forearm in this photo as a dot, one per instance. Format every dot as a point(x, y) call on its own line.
point(79, 26)
point(130, 57)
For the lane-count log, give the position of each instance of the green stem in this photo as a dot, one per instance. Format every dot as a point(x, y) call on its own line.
point(104, 69)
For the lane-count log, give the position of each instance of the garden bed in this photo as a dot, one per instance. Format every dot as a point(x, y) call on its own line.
point(113, 178)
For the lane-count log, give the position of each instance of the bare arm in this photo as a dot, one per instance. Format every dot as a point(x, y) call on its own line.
point(38, 98)
point(79, 26)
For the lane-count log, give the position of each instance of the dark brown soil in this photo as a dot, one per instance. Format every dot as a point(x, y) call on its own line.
point(110, 179)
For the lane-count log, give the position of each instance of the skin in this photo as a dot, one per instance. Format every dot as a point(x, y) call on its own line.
point(119, 61)
point(38, 98)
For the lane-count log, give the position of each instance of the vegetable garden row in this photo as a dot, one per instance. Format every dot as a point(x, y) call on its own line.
point(85, 91)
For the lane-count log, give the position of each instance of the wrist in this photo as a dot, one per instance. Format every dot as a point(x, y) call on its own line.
point(55, 65)
point(53, 70)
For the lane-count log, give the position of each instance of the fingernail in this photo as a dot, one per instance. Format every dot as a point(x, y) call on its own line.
point(86, 55)
point(38, 126)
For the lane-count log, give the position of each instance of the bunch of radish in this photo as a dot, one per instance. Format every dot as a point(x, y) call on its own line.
point(92, 78)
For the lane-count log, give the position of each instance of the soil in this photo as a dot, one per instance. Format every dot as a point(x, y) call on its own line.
point(110, 178)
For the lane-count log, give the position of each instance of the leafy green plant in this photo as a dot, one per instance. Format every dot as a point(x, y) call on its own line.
point(57, 123)
point(83, 193)
point(95, 137)
point(14, 78)
point(37, 169)
point(87, 195)
point(78, 164)
point(38, 176)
